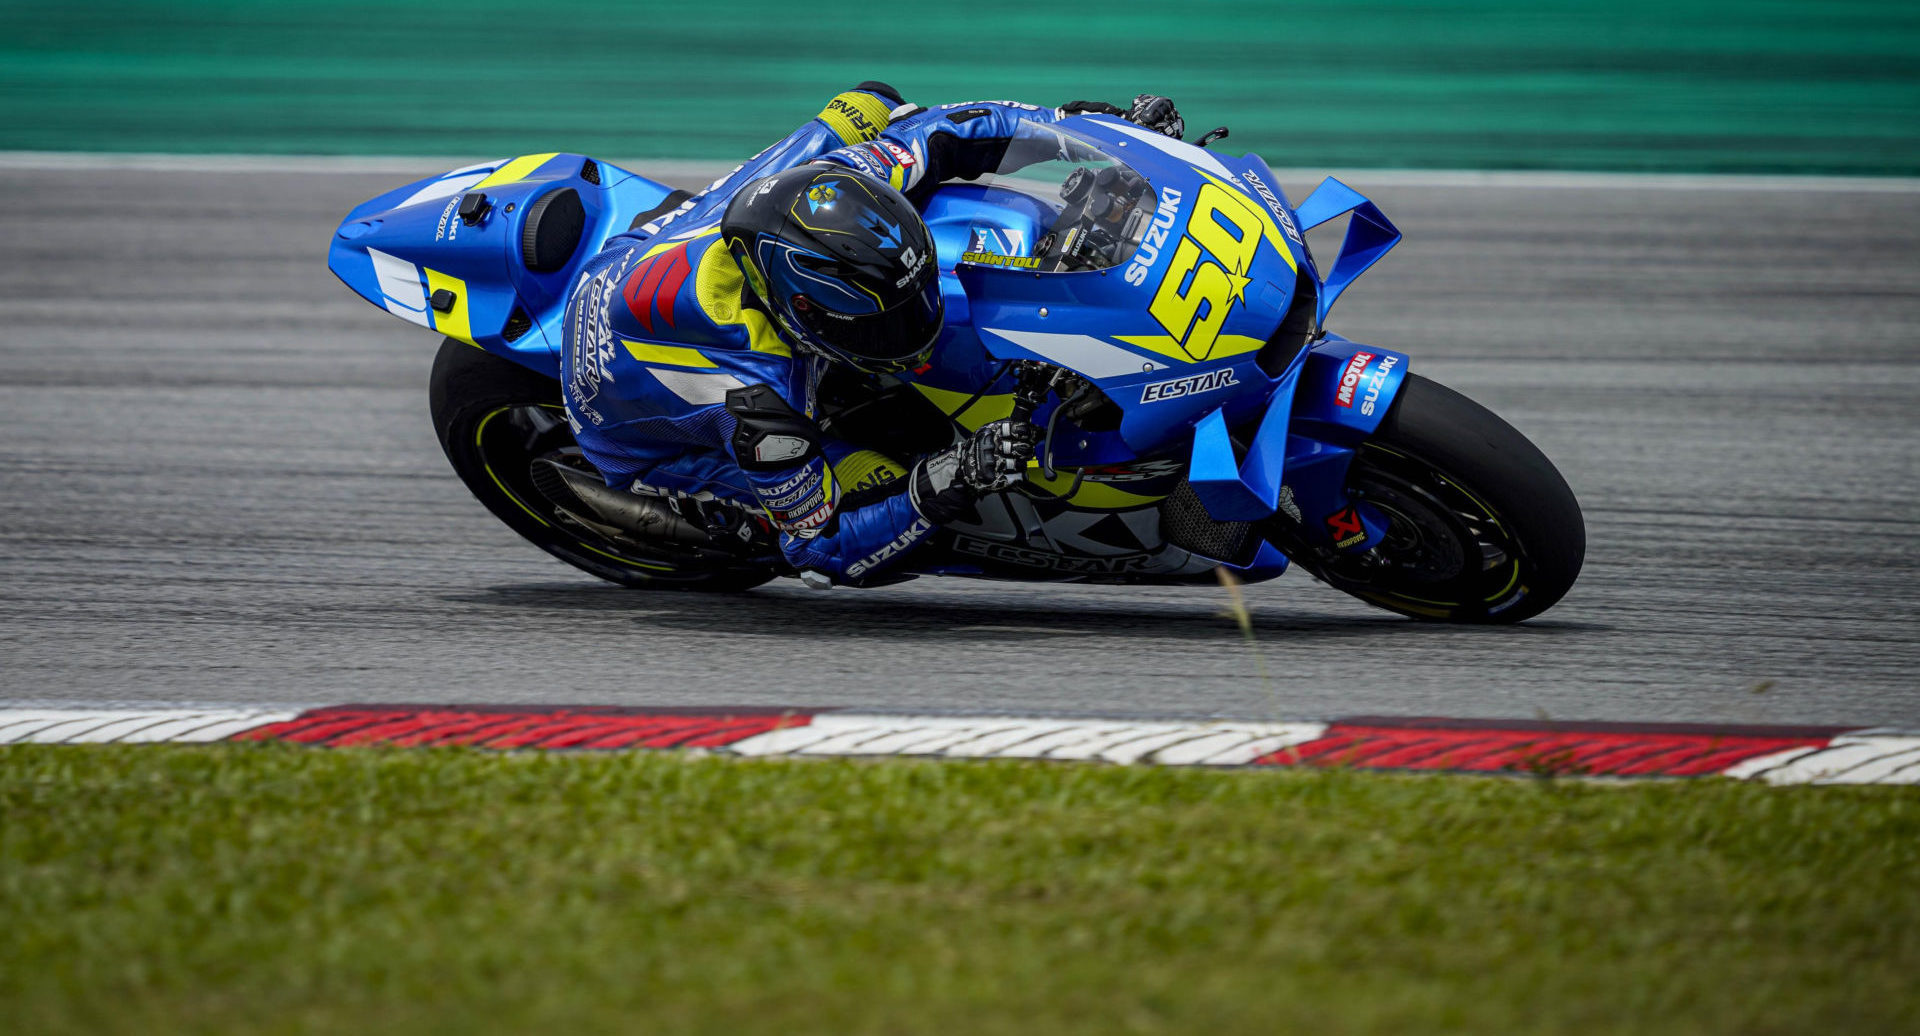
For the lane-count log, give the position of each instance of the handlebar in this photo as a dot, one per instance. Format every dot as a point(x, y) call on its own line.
point(1031, 382)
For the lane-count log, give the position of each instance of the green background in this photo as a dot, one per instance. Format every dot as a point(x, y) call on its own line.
point(1673, 85)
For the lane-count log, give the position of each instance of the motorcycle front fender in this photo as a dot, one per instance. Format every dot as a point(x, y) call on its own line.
point(1346, 389)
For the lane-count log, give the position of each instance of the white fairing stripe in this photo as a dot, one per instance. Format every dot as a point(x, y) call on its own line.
point(1083, 353)
point(400, 283)
point(411, 316)
point(453, 184)
point(698, 389)
point(1179, 149)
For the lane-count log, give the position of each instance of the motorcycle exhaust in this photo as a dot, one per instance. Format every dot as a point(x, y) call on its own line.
point(618, 514)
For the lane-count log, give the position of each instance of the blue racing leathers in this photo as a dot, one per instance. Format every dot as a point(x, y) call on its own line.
point(678, 384)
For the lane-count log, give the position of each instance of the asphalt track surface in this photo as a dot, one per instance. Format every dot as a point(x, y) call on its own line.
point(218, 483)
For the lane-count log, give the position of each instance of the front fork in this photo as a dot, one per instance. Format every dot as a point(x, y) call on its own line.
point(1344, 393)
point(1326, 513)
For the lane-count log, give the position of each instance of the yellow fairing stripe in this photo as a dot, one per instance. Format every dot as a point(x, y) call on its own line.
point(855, 117)
point(717, 284)
point(514, 171)
point(1268, 227)
point(1166, 345)
point(454, 323)
point(954, 405)
point(671, 355)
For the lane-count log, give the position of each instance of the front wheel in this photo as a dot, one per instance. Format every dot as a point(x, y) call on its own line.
point(1481, 526)
point(497, 422)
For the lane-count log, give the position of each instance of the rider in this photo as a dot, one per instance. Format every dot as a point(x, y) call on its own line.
point(696, 343)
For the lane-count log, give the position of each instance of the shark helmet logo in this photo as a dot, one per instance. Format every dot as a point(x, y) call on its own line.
point(821, 196)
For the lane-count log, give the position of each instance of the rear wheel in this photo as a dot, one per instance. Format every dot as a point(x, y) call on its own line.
point(1481, 526)
point(496, 420)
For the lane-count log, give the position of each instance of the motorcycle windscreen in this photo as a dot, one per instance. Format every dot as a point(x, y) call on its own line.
point(1058, 204)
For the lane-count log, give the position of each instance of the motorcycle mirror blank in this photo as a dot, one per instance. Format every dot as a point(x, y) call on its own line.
point(1216, 133)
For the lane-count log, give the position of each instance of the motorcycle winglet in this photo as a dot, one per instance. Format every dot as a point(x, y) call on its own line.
point(1233, 489)
point(1370, 235)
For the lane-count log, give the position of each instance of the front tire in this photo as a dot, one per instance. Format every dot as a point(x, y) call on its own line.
point(494, 419)
point(1481, 527)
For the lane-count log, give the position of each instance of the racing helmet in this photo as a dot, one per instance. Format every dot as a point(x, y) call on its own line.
point(842, 262)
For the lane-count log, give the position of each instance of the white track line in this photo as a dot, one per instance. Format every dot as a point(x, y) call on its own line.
point(1027, 737)
point(704, 171)
point(131, 726)
point(1850, 759)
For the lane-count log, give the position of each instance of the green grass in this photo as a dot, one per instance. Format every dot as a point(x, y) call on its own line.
point(277, 889)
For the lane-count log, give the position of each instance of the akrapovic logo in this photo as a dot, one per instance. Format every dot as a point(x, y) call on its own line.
point(1350, 379)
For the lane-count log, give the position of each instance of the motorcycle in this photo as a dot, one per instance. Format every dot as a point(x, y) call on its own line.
point(1152, 307)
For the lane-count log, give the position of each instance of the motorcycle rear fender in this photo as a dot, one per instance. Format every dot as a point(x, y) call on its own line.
point(400, 249)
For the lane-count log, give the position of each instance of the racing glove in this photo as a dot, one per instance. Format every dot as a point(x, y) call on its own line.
point(1150, 110)
point(1157, 114)
point(946, 484)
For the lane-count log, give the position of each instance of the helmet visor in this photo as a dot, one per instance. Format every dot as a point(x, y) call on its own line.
point(891, 339)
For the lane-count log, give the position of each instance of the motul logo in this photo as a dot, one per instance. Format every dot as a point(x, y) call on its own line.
point(1350, 380)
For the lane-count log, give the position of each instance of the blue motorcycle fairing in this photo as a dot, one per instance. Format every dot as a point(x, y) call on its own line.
point(968, 218)
point(401, 248)
point(1255, 173)
point(1167, 334)
point(1268, 563)
point(1068, 319)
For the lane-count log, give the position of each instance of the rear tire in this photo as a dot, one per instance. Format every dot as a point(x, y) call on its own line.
point(494, 417)
point(1482, 527)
